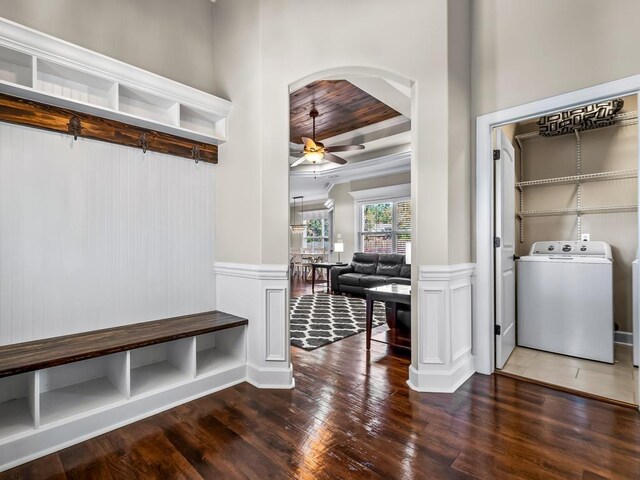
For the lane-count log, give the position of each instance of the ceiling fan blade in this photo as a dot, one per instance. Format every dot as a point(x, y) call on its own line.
point(343, 148)
point(334, 158)
point(295, 153)
point(308, 143)
point(298, 162)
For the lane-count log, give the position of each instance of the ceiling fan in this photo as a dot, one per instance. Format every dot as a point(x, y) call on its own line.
point(315, 151)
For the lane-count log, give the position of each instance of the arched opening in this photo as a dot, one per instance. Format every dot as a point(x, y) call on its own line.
point(363, 204)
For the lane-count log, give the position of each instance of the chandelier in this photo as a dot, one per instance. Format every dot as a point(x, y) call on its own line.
point(297, 227)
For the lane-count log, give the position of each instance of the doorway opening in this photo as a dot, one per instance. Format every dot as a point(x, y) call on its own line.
point(350, 209)
point(566, 248)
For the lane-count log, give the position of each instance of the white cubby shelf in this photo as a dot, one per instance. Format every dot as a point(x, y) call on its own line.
point(49, 408)
point(38, 67)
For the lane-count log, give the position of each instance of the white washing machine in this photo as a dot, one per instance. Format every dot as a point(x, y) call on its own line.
point(565, 299)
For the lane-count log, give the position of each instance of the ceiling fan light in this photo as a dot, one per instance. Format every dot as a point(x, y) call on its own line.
point(314, 157)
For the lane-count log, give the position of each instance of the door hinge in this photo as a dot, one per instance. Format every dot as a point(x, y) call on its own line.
point(496, 242)
point(498, 330)
point(496, 154)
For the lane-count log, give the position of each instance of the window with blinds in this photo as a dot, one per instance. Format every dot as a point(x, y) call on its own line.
point(385, 226)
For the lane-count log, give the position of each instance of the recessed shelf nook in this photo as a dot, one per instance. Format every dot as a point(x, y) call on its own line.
point(77, 85)
point(16, 67)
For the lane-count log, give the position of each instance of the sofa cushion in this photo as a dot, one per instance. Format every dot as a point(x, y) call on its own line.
point(389, 264)
point(364, 263)
point(350, 278)
point(370, 281)
point(398, 280)
point(405, 271)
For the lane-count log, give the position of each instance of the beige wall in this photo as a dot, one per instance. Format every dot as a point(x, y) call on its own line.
point(527, 50)
point(238, 202)
point(287, 54)
point(162, 36)
point(344, 212)
point(602, 150)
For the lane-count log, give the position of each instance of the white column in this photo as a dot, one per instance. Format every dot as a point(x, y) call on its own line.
point(443, 335)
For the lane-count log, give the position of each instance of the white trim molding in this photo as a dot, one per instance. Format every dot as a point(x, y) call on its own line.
point(382, 193)
point(260, 294)
point(483, 300)
point(255, 272)
point(443, 333)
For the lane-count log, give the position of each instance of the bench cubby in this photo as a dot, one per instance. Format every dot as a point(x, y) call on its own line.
point(162, 365)
point(220, 350)
point(77, 388)
point(17, 401)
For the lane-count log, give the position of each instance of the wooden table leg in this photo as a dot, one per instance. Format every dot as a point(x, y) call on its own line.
point(313, 278)
point(393, 317)
point(369, 320)
point(328, 279)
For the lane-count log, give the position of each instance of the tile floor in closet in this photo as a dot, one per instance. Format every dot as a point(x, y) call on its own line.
point(618, 381)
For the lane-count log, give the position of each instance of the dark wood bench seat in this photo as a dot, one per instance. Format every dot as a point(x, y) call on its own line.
point(51, 352)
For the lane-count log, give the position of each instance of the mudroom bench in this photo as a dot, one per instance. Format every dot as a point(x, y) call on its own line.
point(59, 391)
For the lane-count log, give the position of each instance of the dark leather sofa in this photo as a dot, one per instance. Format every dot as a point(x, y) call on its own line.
point(368, 270)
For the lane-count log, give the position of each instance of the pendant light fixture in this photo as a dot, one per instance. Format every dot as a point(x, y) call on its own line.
point(297, 227)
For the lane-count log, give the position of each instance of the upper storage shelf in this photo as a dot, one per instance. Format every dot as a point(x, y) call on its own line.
point(38, 67)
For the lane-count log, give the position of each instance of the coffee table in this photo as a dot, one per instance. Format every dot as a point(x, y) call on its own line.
point(391, 294)
point(327, 266)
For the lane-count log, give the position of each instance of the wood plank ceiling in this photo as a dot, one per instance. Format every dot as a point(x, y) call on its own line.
point(342, 106)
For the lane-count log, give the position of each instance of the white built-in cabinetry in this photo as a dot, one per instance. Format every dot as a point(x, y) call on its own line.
point(38, 67)
point(45, 410)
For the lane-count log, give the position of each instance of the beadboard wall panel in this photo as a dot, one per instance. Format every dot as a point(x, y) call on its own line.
point(94, 235)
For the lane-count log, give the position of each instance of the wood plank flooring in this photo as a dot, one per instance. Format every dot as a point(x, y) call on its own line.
point(354, 417)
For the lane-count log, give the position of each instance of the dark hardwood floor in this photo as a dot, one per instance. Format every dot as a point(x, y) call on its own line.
point(353, 416)
point(301, 287)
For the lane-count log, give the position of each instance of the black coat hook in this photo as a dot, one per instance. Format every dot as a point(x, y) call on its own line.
point(195, 153)
point(143, 142)
point(74, 126)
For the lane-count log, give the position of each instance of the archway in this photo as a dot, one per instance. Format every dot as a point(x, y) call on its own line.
point(402, 86)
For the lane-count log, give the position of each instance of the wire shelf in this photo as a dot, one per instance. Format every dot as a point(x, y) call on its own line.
point(576, 211)
point(588, 177)
point(620, 120)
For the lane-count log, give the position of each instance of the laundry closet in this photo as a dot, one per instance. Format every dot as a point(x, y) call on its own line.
point(574, 175)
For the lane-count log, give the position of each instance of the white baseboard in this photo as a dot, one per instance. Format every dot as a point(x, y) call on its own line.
point(441, 381)
point(623, 338)
point(264, 377)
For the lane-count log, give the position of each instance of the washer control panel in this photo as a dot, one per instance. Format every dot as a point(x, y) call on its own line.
point(571, 248)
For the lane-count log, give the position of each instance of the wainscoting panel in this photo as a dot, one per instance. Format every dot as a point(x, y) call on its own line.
point(432, 306)
point(94, 235)
point(259, 293)
point(444, 360)
point(276, 304)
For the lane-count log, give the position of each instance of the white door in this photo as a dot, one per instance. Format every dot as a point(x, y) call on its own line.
point(505, 287)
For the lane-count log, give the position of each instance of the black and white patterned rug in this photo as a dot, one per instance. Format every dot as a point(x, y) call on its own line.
point(320, 319)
